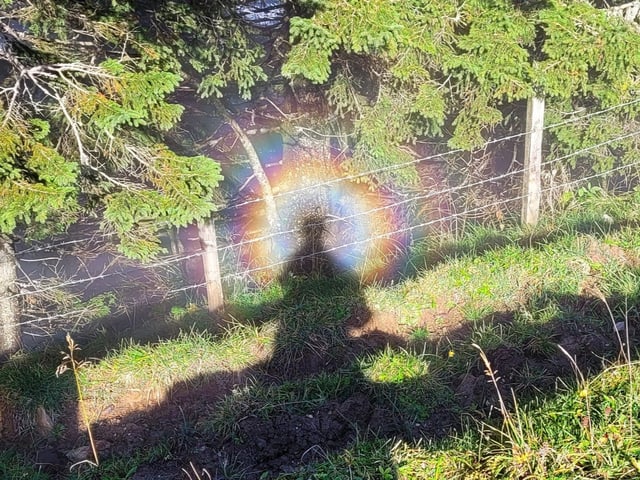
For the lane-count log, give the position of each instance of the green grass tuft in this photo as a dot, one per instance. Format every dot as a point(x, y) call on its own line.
point(14, 466)
point(414, 384)
point(30, 380)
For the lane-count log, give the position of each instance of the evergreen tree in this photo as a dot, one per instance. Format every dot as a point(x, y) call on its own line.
point(84, 114)
point(86, 99)
point(456, 70)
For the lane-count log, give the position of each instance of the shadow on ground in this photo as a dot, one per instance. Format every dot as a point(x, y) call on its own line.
point(326, 381)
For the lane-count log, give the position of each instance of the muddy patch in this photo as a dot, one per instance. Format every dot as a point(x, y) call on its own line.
point(285, 441)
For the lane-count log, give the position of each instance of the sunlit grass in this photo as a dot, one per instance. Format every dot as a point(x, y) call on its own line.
point(153, 368)
point(413, 384)
point(514, 290)
point(487, 272)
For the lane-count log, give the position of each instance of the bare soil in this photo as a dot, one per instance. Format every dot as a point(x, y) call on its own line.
point(263, 446)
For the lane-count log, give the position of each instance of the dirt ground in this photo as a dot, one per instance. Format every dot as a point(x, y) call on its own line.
point(282, 442)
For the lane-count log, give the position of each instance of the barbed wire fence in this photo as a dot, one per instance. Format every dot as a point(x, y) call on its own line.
point(69, 282)
point(94, 236)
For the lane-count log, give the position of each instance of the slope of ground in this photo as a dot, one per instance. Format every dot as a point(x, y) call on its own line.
point(506, 354)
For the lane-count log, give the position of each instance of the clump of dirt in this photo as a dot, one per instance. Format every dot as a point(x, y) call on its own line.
point(442, 319)
point(284, 441)
point(523, 372)
point(381, 329)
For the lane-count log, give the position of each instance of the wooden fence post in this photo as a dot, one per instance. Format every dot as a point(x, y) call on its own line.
point(9, 328)
point(531, 184)
point(207, 234)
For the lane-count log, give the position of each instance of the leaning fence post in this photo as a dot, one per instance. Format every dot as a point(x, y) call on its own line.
point(531, 184)
point(207, 234)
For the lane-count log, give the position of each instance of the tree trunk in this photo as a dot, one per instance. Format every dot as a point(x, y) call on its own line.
point(258, 171)
point(207, 233)
point(629, 11)
point(9, 328)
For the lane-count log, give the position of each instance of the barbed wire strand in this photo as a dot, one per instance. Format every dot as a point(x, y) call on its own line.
point(247, 272)
point(72, 313)
point(104, 275)
point(431, 194)
point(177, 259)
point(576, 117)
point(62, 244)
point(414, 161)
point(410, 228)
point(589, 115)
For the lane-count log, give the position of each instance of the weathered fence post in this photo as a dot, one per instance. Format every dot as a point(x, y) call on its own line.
point(531, 186)
point(9, 328)
point(207, 233)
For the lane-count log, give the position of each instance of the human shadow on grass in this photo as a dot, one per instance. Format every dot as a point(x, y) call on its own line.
point(318, 313)
point(322, 325)
point(422, 396)
point(334, 376)
point(337, 373)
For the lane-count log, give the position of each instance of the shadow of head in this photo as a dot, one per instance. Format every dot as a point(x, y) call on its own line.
point(310, 257)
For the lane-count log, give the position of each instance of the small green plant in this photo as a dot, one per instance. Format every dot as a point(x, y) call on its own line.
point(178, 312)
point(419, 335)
point(524, 459)
point(590, 192)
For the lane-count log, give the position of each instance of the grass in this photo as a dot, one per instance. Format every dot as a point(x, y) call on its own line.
point(368, 459)
point(14, 466)
point(414, 384)
point(554, 441)
point(123, 467)
point(150, 370)
point(299, 397)
point(30, 381)
point(418, 407)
